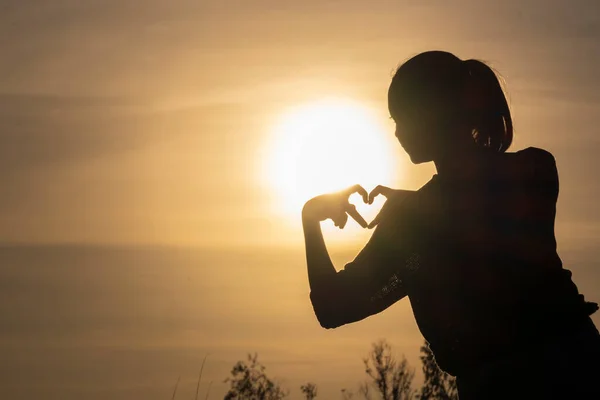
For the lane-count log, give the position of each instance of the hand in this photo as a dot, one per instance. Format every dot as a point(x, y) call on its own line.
point(394, 195)
point(335, 206)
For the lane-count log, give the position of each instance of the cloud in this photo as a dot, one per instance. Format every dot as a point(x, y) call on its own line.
point(41, 130)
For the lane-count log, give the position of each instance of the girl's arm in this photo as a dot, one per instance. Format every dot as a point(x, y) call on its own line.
point(333, 206)
point(365, 286)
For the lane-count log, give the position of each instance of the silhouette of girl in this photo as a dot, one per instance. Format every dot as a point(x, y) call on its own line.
point(473, 249)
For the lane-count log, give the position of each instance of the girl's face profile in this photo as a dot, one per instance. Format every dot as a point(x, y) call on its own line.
point(415, 127)
point(414, 139)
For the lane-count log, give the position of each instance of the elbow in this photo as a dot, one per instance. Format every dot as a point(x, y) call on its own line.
point(333, 314)
point(328, 325)
point(328, 320)
point(328, 312)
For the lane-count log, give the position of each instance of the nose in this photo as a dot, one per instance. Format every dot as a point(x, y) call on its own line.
point(403, 137)
point(400, 133)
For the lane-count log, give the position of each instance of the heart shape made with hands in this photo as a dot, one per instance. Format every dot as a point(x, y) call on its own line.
point(368, 198)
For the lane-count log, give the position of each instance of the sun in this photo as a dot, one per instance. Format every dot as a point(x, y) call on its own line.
point(324, 146)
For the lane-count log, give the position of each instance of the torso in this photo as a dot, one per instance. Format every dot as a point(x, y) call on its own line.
point(490, 276)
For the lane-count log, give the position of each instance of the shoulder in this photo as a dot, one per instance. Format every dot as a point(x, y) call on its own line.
point(537, 155)
point(536, 163)
point(539, 168)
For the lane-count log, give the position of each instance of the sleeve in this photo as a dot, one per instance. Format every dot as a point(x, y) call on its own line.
point(545, 173)
point(375, 279)
point(546, 184)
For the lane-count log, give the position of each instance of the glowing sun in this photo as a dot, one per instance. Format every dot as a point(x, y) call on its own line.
point(325, 146)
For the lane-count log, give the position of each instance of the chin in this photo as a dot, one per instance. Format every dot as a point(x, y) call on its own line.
point(417, 154)
point(418, 158)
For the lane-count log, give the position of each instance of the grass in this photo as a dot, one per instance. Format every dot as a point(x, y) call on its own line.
point(197, 385)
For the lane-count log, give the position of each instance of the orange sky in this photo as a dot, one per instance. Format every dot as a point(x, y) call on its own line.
point(128, 122)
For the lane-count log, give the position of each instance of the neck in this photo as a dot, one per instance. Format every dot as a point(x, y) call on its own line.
point(463, 164)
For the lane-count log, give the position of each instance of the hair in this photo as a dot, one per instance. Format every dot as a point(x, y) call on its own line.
point(453, 93)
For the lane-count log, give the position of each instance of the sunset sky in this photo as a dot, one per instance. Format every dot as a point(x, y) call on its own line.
point(130, 122)
point(158, 122)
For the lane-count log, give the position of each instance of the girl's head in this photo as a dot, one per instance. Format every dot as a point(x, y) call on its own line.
point(442, 104)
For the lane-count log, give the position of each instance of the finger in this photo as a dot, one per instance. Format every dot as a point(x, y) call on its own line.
point(380, 215)
point(344, 220)
point(374, 223)
point(340, 220)
point(357, 189)
point(376, 220)
point(380, 189)
point(351, 210)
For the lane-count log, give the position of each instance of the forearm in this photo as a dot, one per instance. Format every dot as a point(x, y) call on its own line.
point(340, 298)
point(337, 298)
point(319, 265)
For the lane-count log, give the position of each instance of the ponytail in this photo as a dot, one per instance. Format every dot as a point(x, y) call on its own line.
point(464, 96)
point(486, 107)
